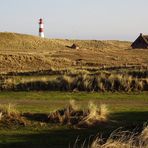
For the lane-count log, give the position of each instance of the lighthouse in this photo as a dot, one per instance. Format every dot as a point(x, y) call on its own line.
point(41, 28)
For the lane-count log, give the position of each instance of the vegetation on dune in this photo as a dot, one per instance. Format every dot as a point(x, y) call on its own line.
point(139, 74)
point(31, 63)
point(119, 139)
point(40, 132)
point(100, 82)
point(22, 42)
point(25, 53)
point(9, 116)
point(72, 115)
point(15, 41)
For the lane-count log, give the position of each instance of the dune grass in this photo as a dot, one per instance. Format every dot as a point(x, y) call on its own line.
point(26, 53)
point(15, 41)
point(75, 82)
point(122, 139)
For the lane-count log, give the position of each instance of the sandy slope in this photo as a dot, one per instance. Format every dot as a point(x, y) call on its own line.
point(20, 52)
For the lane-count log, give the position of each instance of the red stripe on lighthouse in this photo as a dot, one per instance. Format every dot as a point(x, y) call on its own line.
point(40, 21)
point(41, 30)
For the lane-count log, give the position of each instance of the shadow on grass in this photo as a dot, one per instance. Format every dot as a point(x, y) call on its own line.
point(41, 117)
point(47, 139)
point(131, 118)
point(62, 136)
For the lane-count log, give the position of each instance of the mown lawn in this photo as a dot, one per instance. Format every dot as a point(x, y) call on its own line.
point(128, 110)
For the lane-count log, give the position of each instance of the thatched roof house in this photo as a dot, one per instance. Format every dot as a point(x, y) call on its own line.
point(141, 42)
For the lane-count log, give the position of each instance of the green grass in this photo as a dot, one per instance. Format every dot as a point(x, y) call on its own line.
point(128, 110)
point(34, 101)
point(46, 95)
point(56, 138)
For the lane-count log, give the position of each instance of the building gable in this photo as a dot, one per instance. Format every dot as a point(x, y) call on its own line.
point(140, 42)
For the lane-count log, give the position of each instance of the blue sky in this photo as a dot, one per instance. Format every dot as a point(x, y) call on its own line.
point(77, 19)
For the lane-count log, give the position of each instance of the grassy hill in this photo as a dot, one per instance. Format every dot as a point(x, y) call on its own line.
point(19, 52)
point(22, 42)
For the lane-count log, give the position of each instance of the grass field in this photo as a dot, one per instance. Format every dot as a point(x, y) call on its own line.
point(34, 101)
point(128, 110)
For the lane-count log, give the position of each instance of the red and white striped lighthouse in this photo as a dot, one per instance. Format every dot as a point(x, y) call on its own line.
point(41, 28)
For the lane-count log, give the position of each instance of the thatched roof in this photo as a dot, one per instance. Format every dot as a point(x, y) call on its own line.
point(145, 38)
point(141, 42)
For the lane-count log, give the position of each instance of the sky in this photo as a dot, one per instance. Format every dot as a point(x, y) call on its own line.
point(76, 19)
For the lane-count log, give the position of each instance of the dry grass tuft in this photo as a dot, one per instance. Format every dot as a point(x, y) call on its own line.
point(73, 115)
point(120, 139)
point(72, 104)
point(96, 114)
point(1, 115)
point(9, 109)
point(144, 135)
point(123, 140)
point(9, 116)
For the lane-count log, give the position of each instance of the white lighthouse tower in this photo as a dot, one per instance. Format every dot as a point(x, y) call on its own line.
point(41, 28)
